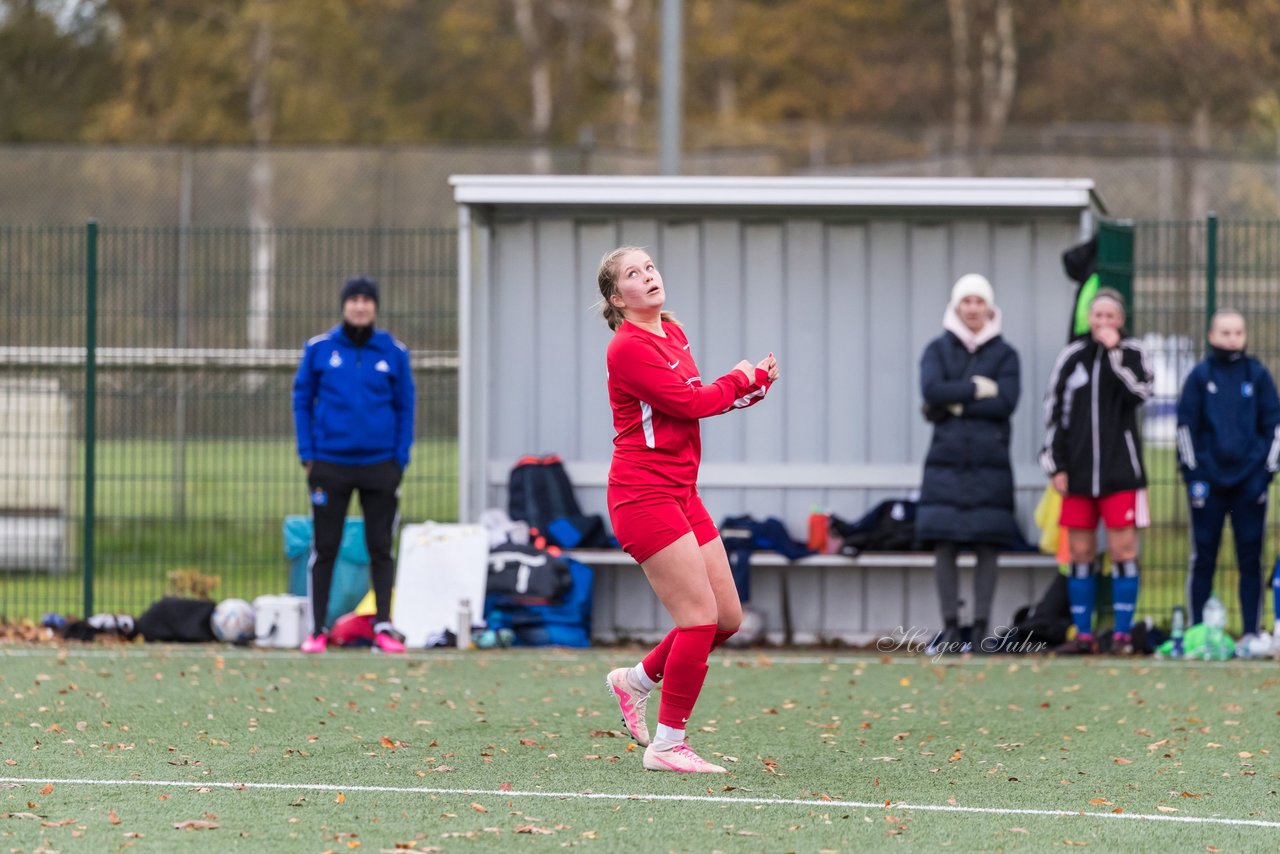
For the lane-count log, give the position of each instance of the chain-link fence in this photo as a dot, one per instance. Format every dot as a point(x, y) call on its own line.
point(1182, 272)
point(183, 414)
point(186, 422)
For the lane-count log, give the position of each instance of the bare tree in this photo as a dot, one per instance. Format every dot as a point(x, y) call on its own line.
point(726, 85)
point(999, 78)
point(961, 78)
point(996, 85)
point(536, 45)
point(262, 260)
point(625, 46)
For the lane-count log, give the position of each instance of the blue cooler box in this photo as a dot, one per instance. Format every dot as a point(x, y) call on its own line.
point(350, 572)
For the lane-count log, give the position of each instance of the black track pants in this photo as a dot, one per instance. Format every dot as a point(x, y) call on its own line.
point(331, 486)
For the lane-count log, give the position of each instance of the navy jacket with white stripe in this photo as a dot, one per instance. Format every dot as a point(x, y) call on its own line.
point(1092, 426)
point(1228, 420)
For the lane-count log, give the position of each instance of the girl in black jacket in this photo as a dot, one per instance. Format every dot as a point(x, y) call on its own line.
point(1093, 453)
point(969, 378)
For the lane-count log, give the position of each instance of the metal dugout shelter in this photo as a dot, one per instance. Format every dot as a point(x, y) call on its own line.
point(845, 279)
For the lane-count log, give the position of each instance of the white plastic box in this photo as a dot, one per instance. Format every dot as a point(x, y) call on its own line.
point(281, 621)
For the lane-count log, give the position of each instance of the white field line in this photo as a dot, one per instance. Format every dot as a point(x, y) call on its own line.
point(762, 658)
point(624, 796)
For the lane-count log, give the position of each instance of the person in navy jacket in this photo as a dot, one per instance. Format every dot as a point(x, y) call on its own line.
point(353, 408)
point(970, 382)
point(1229, 449)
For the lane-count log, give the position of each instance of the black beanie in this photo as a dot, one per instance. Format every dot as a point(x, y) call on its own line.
point(360, 286)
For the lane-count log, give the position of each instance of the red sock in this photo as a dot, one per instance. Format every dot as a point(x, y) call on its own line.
point(686, 671)
point(722, 635)
point(656, 661)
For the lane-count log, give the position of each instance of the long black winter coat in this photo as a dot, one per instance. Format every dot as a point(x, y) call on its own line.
point(967, 492)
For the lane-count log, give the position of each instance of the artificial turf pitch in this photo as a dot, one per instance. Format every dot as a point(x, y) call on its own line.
point(182, 748)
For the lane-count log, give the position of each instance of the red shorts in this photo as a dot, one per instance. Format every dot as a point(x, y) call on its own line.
point(1118, 510)
point(647, 520)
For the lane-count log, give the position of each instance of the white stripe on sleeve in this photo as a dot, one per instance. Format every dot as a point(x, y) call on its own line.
point(1187, 451)
point(1138, 387)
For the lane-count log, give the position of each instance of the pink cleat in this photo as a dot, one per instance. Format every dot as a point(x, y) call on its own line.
point(388, 641)
point(316, 643)
point(680, 758)
point(633, 700)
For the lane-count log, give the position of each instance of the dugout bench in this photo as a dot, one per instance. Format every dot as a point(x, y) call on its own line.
point(820, 598)
point(816, 599)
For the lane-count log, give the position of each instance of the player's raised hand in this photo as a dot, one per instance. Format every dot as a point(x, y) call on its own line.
point(769, 364)
point(1108, 337)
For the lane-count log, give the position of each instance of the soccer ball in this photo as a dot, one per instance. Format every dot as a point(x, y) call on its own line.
point(232, 621)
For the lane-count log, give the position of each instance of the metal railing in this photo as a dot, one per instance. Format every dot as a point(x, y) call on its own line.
point(171, 449)
point(1182, 272)
point(145, 377)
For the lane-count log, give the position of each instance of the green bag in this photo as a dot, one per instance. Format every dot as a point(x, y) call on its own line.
point(1204, 643)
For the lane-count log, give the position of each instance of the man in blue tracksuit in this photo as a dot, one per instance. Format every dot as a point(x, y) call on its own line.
point(1229, 448)
point(353, 407)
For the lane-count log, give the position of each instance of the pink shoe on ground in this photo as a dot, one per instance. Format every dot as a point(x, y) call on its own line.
point(316, 643)
point(386, 641)
point(633, 700)
point(680, 758)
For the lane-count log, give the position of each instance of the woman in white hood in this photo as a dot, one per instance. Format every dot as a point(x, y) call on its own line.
point(969, 377)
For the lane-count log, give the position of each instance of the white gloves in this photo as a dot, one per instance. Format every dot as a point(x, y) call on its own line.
point(984, 387)
point(956, 409)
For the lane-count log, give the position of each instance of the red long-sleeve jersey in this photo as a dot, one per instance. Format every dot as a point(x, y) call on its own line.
point(657, 397)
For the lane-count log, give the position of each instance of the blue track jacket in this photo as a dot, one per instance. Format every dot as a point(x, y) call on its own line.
point(1228, 420)
point(354, 405)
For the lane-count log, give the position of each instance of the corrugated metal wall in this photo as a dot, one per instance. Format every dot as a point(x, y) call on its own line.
point(847, 302)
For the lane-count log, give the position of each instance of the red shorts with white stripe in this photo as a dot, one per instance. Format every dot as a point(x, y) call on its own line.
point(647, 520)
point(1126, 509)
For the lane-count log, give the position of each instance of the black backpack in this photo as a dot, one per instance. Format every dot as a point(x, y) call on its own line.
point(539, 492)
point(890, 526)
point(1045, 622)
point(525, 575)
point(176, 618)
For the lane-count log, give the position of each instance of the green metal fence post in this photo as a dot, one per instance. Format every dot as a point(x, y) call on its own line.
point(1115, 262)
point(1211, 268)
point(90, 404)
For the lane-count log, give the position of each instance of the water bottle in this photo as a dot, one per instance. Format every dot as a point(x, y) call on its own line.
point(1215, 624)
point(818, 522)
point(1215, 613)
point(464, 624)
point(1178, 630)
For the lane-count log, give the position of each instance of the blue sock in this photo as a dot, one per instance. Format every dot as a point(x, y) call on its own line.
point(1082, 591)
point(1124, 599)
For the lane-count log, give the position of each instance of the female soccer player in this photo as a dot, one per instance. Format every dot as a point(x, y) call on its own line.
point(657, 396)
point(1093, 453)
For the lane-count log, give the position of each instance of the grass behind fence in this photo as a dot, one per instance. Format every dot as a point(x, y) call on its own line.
point(234, 498)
